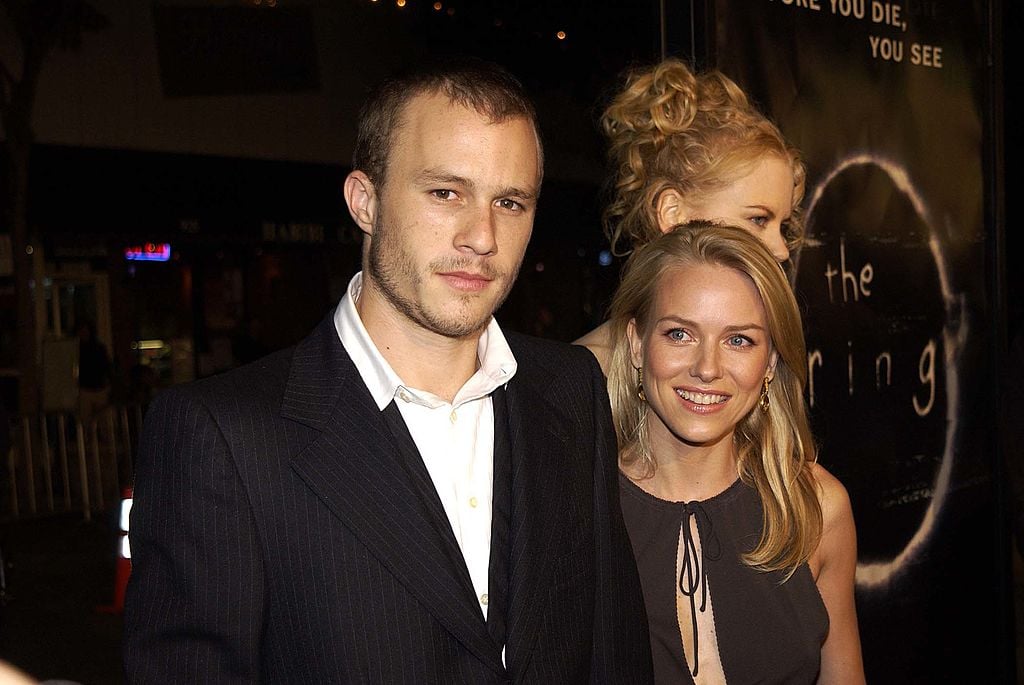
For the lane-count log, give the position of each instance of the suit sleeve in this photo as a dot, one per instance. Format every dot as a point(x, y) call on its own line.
point(194, 606)
point(622, 651)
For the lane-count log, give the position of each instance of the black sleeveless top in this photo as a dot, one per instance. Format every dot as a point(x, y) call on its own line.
point(768, 631)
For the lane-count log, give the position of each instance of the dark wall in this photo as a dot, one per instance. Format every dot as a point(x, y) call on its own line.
point(900, 283)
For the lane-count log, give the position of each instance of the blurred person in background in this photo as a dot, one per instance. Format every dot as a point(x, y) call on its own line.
point(689, 146)
point(94, 373)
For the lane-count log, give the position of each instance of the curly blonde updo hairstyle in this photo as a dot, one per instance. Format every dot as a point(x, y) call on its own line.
point(672, 128)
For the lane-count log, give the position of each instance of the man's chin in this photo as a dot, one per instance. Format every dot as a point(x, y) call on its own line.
point(462, 324)
point(459, 329)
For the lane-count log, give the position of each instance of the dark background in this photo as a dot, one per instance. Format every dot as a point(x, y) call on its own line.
point(916, 199)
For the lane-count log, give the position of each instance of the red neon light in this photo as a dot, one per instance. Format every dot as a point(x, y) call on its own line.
point(148, 252)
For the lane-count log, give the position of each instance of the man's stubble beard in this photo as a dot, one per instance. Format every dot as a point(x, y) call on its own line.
point(391, 267)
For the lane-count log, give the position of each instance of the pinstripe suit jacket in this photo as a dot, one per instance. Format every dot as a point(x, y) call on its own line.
point(277, 538)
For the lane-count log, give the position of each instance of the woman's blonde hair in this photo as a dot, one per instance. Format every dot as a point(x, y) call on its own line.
point(694, 133)
point(775, 448)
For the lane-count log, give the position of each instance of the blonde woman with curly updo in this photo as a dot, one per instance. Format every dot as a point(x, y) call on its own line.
point(689, 146)
point(746, 547)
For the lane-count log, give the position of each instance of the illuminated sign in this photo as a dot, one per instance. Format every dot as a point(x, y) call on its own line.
point(148, 252)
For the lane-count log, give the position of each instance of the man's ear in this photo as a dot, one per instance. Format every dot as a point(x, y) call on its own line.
point(361, 198)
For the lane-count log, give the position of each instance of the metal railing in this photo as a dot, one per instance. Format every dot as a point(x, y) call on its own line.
point(59, 463)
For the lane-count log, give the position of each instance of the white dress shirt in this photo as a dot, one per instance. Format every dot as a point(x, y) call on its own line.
point(455, 440)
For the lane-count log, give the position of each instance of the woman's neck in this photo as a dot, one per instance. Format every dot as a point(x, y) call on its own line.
point(685, 472)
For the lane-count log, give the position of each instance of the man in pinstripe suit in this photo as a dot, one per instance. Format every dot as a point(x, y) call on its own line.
point(409, 495)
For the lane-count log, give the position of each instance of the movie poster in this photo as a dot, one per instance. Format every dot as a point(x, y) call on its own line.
point(887, 102)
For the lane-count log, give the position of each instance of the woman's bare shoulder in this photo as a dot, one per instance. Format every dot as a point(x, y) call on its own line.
point(598, 341)
point(835, 501)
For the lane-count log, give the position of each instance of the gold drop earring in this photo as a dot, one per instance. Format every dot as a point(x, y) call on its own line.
point(764, 400)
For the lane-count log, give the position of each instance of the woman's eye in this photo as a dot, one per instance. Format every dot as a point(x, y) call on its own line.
point(759, 220)
point(740, 341)
point(677, 334)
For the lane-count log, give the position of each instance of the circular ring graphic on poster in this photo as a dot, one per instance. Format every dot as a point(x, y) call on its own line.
point(883, 333)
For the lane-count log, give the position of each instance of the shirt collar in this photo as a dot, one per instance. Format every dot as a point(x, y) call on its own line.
point(497, 363)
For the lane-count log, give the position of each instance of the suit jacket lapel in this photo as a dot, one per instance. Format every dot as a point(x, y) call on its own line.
point(538, 443)
point(354, 466)
point(412, 462)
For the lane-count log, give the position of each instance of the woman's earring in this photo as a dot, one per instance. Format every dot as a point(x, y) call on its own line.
point(764, 401)
point(640, 394)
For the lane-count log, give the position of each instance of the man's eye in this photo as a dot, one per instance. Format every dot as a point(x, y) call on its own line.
point(512, 205)
point(443, 194)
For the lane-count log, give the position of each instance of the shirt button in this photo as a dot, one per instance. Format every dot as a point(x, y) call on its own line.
point(404, 395)
point(453, 417)
point(473, 502)
point(483, 599)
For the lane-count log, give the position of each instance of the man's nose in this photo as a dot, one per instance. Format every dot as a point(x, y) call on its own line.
point(479, 233)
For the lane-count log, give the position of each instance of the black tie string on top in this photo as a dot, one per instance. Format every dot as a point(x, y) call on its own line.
point(693, 574)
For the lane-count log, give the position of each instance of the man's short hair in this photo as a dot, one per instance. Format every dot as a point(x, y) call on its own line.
point(474, 83)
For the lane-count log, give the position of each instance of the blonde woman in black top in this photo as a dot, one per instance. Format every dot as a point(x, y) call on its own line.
point(746, 546)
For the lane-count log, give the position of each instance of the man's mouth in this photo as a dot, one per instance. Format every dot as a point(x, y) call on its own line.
point(466, 280)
